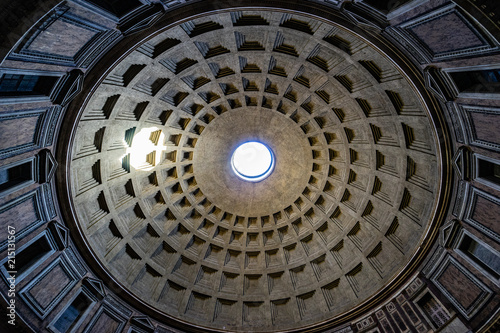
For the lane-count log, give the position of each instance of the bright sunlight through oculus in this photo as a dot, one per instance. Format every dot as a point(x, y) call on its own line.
point(252, 161)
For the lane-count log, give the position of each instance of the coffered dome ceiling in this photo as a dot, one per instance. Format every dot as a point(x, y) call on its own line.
point(348, 205)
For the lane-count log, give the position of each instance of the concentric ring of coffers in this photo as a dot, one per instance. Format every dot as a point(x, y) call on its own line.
point(349, 202)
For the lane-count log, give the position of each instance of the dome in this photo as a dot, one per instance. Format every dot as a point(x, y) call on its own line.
point(365, 206)
point(179, 222)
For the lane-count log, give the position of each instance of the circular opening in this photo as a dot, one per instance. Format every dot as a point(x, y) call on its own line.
point(252, 161)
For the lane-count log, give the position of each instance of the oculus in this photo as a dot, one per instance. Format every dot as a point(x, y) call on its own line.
point(252, 161)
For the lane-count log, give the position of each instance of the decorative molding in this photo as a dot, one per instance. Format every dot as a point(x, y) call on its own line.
point(24, 98)
point(440, 84)
point(414, 287)
point(141, 19)
point(83, 312)
point(62, 13)
point(75, 260)
point(404, 31)
point(475, 170)
point(480, 301)
point(100, 47)
point(346, 329)
point(477, 263)
point(359, 15)
point(20, 276)
point(112, 17)
point(457, 121)
point(40, 310)
point(472, 132)
point(33, 174)
point(172, 3)
point(365, 323)
point(143, 323)
point(67, 88)
point(43, 133)
point(460, 198)
point(448, 233)
point(410, 5)
point(106, 309)
point(117, 306)
point(393, 10)
point(398, 37)
point(442, 313)
point(473, 195)
point(491, 93)
point(95, 287)
point(462, 163)
point(60, 234)
point(48, 133)
point(48, 200)
point(38, 131)
point(433, 260)
point(47, 166)
point(38, 205)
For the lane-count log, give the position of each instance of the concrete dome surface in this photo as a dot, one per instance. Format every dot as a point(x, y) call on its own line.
point(126, 209)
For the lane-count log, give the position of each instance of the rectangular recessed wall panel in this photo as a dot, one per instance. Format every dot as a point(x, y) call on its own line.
point(106, 320)
point(482, 126)
point(461, 287)
point(20, 131)
point(482, 213)
point(25, 213)
point(42, 294)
